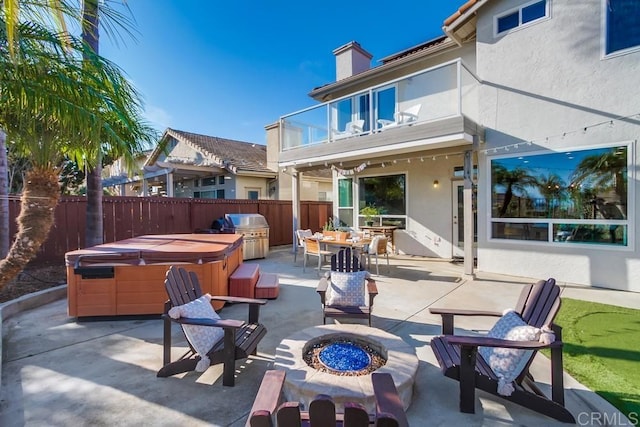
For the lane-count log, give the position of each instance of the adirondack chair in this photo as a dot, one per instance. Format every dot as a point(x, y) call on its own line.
point(322, 411)
point(346, 262)
point(459, 359)
point(239, 340)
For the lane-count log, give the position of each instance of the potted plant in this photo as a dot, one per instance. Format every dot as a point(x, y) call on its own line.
point(328, 229)
point(369, 212)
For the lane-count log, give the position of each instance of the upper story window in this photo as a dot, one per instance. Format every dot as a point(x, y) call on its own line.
point(622, 30)
point(514, 18)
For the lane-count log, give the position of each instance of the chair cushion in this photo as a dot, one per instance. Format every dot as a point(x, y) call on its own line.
point(508, 363)
point(347, 288)
point(201, 338)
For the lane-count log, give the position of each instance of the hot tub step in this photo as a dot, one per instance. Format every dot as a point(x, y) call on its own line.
point(268, 286)
point(242, 282)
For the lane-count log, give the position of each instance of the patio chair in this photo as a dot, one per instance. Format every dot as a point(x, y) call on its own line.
point(300, 236)
point(268, 412)
point(351, 128)
point(401, 117)
point(378, 246)
point(312, 248)
point(211, 340)
point(343, 292)
point(496, 368)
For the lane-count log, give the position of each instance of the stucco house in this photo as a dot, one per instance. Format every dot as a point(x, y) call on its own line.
point(186, 164)
point(509, 140)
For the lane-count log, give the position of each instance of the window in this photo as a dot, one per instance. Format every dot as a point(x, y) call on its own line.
point(221, 180)
point(219, 194)
point(209, 181)
point(571, 197)
point(386, 103)
point(622, 30)
point(253, 194)
point(345, 201)
point(388, 194)
point(322, 196)
point(529, 12)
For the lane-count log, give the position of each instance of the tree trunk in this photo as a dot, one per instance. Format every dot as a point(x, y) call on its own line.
point(94, 230)
point(4, 197)
point(39, 200)
point(95, 226)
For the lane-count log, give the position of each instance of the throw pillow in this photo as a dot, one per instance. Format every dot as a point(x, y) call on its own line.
point(347, 288)
point(201, 338)
point(508, 363)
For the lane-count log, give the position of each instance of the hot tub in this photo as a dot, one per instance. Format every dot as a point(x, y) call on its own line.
point(127, 277)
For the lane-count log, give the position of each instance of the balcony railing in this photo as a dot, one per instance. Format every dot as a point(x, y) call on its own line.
point(446, 90)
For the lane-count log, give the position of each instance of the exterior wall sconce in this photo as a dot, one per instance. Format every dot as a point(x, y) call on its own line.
point(436, 183)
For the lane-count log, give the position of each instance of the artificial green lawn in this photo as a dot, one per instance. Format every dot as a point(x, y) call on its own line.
point(602, 350)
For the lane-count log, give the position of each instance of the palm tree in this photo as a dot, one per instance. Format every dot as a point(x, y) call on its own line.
point(604, 171)
point(57, 98)
point(4, 197)
point(552, 187)
point(515, 181)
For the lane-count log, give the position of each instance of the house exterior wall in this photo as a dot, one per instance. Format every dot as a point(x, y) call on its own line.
point(243, 184)
point(429, 219)
point(540, 83)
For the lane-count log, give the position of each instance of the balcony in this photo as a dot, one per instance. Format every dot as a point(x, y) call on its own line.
point(442, 100)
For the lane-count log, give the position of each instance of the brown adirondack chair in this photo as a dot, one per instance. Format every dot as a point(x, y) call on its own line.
point(268, 412)
point(346, 261)
point(240, 338)
point(459, 359)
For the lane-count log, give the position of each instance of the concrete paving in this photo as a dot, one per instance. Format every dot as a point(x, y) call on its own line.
point(58, 371)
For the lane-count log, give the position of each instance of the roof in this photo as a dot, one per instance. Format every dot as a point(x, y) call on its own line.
point(236, 156)
point(414, 49)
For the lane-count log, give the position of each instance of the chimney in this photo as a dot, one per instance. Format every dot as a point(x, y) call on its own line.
point(351, 59)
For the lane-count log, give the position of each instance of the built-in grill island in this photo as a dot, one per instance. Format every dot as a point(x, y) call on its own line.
point(255, 234)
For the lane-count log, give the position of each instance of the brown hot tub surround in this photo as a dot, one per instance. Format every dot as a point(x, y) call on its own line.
point(127, 277)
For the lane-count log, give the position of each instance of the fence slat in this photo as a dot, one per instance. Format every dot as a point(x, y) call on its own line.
point(126, 217)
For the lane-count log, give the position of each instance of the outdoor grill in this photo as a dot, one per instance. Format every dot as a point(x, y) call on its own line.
point(255, 234)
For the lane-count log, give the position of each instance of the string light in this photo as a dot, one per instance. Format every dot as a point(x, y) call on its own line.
point(608, 123)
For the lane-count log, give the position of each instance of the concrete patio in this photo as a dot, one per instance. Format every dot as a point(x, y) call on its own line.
point(60, 372)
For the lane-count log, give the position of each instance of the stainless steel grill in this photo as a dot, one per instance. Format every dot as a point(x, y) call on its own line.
point(255, 234)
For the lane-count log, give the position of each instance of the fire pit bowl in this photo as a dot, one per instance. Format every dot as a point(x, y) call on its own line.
point(304, 381)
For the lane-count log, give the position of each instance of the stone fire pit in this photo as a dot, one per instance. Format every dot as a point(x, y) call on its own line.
point(304, 382)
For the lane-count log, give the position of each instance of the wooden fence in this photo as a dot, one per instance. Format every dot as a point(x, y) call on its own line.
point(126, 217)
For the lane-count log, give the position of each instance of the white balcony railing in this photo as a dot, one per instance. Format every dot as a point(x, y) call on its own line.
point(446, 90)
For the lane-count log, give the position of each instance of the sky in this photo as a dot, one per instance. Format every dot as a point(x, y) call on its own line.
point(228, 69)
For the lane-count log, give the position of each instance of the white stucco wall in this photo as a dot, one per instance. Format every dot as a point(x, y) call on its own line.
point(429, 224)
point(541, 82)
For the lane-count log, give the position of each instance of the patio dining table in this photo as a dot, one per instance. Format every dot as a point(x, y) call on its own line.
point(357, 245)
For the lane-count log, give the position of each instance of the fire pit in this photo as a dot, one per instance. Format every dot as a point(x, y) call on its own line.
point(351, 353)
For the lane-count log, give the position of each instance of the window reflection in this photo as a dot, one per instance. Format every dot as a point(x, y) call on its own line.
point(586, 185)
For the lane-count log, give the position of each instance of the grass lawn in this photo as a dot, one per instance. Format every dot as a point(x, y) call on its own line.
point(602, 350)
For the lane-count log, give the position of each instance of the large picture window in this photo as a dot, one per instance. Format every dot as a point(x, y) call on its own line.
point(386, 193)
point(569, 197)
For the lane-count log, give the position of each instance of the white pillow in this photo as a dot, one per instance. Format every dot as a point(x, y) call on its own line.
point(508, 363)
point(201, 338)
point(347, 288)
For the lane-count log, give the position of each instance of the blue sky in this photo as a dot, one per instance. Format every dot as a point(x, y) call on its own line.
point(228, 69)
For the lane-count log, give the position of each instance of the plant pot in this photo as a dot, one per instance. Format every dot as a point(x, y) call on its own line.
point(369, 223)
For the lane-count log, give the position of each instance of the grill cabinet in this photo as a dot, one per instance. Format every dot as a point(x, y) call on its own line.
point(255, 234)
